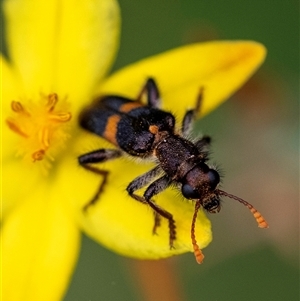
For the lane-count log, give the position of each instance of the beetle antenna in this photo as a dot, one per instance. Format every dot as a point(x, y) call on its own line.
point(262, 223)
point(198, 253)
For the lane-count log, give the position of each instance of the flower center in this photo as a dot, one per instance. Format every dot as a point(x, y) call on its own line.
point(42, 126)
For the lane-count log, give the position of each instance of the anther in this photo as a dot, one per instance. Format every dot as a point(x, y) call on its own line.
point(17, 107)
point(61, 117)
point(42, 124)
point(15, 128)
point(43, 135)
point(38, 155)
point(52, 101)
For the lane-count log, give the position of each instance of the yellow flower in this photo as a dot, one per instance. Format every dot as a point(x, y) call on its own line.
point(59, 55)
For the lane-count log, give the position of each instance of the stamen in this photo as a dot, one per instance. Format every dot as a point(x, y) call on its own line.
point(61, 117)
point(52, 101)
point(15, 128)
point(17, 107)
point(262, 223)
point(197, 251)
point(44, 137)
point(38, 155)
point(42, 124)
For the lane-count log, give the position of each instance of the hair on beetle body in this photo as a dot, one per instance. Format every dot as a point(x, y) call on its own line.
point(144, 131)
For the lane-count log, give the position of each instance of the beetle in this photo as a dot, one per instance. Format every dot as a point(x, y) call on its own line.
point(145, 131)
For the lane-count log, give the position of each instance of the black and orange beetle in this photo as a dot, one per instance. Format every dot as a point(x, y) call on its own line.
point(147, 132)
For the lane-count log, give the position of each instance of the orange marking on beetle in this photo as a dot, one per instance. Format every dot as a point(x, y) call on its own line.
point(153, 129)
point(111, 129)
point(127, 107)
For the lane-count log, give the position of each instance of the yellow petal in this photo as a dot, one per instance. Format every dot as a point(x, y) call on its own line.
point(18, 182)
point(9, 89)
point(62, 46)
point(40, 248)
point(221, 67)
point(10, 85)
point(118, 221)
point(10, 166)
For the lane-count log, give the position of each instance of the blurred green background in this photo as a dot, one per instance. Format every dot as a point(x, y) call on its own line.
point(255, 141)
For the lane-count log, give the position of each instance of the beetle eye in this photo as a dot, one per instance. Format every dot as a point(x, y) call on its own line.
point(214, 178)
point(188, 192)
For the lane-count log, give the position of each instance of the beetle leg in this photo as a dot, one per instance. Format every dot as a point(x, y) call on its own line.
point(190, 115)
point(97, 156)
point(143, 180)
point(203, 144)
point(156, 187)
point(152, 92)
